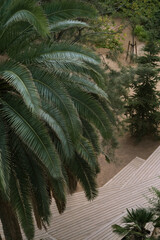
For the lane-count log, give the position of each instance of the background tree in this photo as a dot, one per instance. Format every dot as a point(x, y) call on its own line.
point(142, 16)
point(100, 31)
point(143, 106)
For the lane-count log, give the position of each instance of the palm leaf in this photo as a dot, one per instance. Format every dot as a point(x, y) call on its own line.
point(66, 24)
point(68, 10)
point(3, 6)
point(62, 57)
point(1, 2)
point(85, 84)
point(36, 174)
point(4, 159)
point(49, 117)
point(91, 71)
point(59, 53)
point(70, 179)
point(39, 191)
point(52, 91)
point(33, 133)
point(91, 134)
point(106, 105)
point(97, 74)
point(20, 201)
point(86, 151)
point(20, 78)
point(59, 194)
point(16, 37)
point(27, 11)
point(122, 231)
point(90, 109)
point(85, 175)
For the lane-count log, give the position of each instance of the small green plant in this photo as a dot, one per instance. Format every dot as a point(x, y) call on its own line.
point(141, 33)
point(135, 224)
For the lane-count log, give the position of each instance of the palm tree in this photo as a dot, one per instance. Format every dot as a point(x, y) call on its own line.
point(52, 109)
point(135, 224)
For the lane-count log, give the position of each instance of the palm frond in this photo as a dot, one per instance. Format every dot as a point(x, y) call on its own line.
point(32, 132)
point(36, 175)
point(70, 9)
point(97, 74)
point(64, 57)
point(27, 11)
point(85, 84)
point(90, 109)
point(58, 192)
point(4, 159)
point(20, 78)
point(87, 70)
point(52, 91)
point(71, 179)
point(85, 175)
point(67, 24)
point(86, 151)
point(49, 118)
point(139, 216)
point(91, 134)
point(59, 52)
point(122, 231)
point(15, 38)
point(107, 106)
point(20, 201)
point(3, 6)
point(39, 192)
point(38, 188)
point(1, 2)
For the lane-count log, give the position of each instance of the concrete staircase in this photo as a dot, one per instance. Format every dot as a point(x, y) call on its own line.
point(85, 220)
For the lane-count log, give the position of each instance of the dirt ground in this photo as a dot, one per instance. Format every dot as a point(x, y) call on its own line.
point(127, 149)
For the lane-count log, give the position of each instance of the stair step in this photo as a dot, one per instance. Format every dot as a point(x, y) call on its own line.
point(105, 232)
point(129, 170)
point(81, 222)
point(78, 199)
point(149, 169)
point(85, 220)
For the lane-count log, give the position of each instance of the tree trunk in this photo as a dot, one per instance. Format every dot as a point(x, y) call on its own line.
point(9, 221)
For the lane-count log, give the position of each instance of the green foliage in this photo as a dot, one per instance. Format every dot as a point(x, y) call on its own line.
point(117, 85)
point(144, 13)
point(155, 205)
point(141, 33)
point(153, 26)
point(135, 224)
point(52, 110)
point(143, 106)
point(104, 34)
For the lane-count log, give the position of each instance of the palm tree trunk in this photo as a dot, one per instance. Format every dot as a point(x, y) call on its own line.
point(9, 221)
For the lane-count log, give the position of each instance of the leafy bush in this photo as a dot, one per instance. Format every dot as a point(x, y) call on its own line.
point(141, 33)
